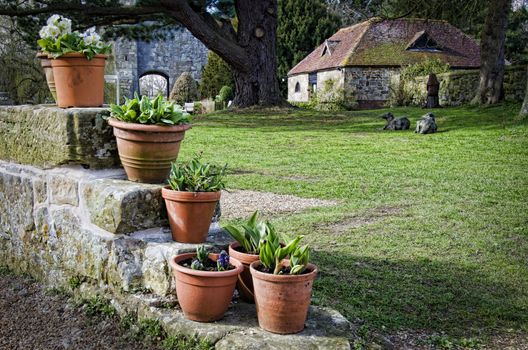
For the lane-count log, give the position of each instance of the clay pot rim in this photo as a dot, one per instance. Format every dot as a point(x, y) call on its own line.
point(187, 196)
point(147, 127)
point(239, 267)
point(283, 278)
point(244, 257)
point(77, 55)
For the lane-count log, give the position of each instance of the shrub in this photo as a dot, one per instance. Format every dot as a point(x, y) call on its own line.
point(429, 66)
point(225, 94)
point(185, 89)
point(216, 74)
point(399, 96)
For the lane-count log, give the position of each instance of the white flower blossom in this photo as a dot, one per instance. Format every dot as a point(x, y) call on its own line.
point(50, 31)
point(90, 37)
point(53, 20)
point(64, 25)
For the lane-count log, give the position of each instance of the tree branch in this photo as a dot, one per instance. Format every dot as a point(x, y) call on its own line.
point(133, 11)
point(208, 33)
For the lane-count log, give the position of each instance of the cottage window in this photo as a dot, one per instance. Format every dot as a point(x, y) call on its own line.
point(423, 42)
point(330, 46)
point(312, 81)
point(297, 87)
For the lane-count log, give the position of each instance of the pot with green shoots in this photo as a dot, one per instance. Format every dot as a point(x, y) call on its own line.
point(148, 134)
point(246, 249)
point(283, 287)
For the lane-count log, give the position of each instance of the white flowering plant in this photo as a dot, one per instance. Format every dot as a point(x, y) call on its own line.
point(57, 39)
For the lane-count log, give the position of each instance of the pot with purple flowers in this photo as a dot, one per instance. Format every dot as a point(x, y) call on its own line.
point(205, 283)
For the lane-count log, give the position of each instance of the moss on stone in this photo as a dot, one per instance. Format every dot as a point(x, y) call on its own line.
point(49, 136)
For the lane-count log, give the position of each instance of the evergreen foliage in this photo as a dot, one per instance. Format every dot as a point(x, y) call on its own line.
point(225, 94)
point(303, 25)
point(215, 75)
point(185, 89)
point(517, 37)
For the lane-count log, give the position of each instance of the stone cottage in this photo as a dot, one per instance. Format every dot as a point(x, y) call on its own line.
point(360, 61)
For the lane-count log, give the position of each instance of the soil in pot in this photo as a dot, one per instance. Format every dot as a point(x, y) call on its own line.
point(147, 151)
point(282, 300)
point(79, 82)
point(190, 213)
point(245, 282)
point(204, 296)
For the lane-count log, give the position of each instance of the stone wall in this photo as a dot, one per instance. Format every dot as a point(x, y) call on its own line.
point(362, 86)
point(182, 53)
point(179, 52)
point(369, 86)
point(126, 66)
point(303, 95)
point(68, 221)
point(330, 84)
point(306, 92)
point(460, 86)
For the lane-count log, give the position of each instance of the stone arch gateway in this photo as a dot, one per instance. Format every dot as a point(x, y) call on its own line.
point(170, 57)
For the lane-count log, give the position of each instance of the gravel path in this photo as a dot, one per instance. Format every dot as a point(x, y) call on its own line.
point(239, 204)
point(30, 318)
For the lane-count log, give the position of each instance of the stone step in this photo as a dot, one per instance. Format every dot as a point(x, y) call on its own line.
point(101, 197)
point(324, 328)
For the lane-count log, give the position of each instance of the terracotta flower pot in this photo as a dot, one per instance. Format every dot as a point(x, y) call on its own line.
point(282, 300)
point(190, 213)
point(204, 296)
point(45, 62)
point(245, 282)
point(79, 81)
point(146, 151)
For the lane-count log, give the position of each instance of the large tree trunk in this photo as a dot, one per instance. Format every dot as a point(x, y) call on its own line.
point(250, 50)
point(257, 32)
point(492, 52)
point(524, 108)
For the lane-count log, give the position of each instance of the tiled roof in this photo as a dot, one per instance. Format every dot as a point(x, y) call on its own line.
point(379, 42)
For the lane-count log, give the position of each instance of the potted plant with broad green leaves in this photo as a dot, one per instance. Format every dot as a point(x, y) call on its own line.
point(246, 249)
point(77, 61)
point(191, 196)
point(205, 283)
point(148, 133)
point(283, 287)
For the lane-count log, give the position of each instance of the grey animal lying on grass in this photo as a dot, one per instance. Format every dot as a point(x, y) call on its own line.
point(426, 125)
point(395, 123)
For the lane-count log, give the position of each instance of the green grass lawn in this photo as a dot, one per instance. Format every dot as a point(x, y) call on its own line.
point(431, 231)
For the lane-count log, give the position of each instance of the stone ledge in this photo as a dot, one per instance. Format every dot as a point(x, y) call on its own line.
point(120, 206)
point(103, 197)
point(48, 136)
point(324, 329)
